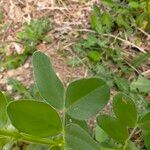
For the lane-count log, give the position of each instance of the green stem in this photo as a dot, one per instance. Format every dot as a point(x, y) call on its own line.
point(63, 124)
point(19, 136)
point(64, 121)
point(130, 136)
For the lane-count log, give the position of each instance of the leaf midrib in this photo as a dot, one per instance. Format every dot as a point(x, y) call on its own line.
point(80, 99)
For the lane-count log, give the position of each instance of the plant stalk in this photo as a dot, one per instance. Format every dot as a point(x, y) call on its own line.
point(130, 136)
point(64, 121)
point(19, 136)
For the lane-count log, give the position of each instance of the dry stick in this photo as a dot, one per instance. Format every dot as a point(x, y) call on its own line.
point(5, 33)
point(130, 136)
point(21, 2)
point(52, 2)
point(113, 36)
point(125, 41)
point(21, 43)
point(148, 35)
point(64, 5)
point(132, 67)
point(53, 8)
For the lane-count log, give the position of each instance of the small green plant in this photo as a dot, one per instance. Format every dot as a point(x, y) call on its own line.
point(22, 91)
point(41, 122)
point(31, 35)
point(102, 51)
point(124, 14)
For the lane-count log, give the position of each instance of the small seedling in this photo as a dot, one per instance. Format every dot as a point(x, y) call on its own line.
point(31, 35)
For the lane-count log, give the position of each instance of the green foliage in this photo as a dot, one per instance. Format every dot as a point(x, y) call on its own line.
point(33, 33)
point(35, 119)
point(101, 22)
point(96, 93)
point(81, 123)
point(146, 137)
point(122, 84)
point(124, 14)
point(113, 127)
point(125, 110)
point(114, 22)
point(76, 137)
point(94, 56)
point(3, 115)
point(144, 121)
point(49, 85)
point(100, 135)
point(126, 120)
point(13, 61)
point(144, 124)
point(18, 87)
point(36, 147)
point(142, 58)
point(40, 123)
point(142, 84)
point(110, 65)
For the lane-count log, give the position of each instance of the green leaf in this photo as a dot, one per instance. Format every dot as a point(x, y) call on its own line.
point(125, 110)
point(56, 148)
point(77, 138)
point(131, 146)
point(122, 84)
point(95, 20)
point(81, 123)
point(85, 97)
point(106, 148)
point(145, 122)
point(142, 84)
point(36, 147)
point(33, 33)
point(107, 21)
point(100, 135)
point(3, 115)
point(123, 21)
point(120, 20)
point(49, 85)
point(3, 141)
point(140, 20)
point(34, 118)
point(113, 128)
point(94, 56)
point(142, 58)
point(18, 87)
point(14, 61)
point(110, 3)
point(134, 4)
point(146, 137)
point(10, 145)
